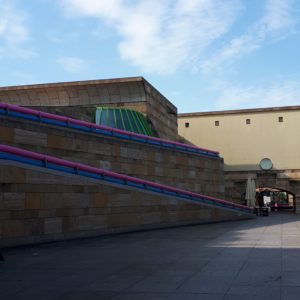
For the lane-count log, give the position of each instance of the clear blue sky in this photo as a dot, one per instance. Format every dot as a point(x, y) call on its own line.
point(201, 54)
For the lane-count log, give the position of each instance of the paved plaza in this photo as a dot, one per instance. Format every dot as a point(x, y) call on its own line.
point(253, 259)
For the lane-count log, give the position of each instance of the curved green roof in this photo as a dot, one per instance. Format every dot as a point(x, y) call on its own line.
point(123, 118)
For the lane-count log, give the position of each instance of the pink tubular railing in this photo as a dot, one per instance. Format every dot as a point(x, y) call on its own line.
point(124, 178)
point(40, 114)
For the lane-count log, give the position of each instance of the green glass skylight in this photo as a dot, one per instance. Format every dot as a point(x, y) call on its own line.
point(123, 118)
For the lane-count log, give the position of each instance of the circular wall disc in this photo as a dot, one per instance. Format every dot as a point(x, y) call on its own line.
point(266, 164)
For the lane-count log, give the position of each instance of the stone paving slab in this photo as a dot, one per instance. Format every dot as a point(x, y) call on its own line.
point(252, 259)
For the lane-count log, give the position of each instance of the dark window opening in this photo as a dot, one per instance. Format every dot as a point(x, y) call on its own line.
point(280, 119)
point(248, 121)
point(217, 123)
point(187, 125)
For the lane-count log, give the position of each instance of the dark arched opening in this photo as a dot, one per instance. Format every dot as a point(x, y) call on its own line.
point(276, 199)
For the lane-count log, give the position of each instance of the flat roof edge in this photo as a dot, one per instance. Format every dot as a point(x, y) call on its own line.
point(72, 83)
point(240, 111)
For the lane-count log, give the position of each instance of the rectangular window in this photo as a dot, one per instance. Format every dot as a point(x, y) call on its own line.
point(217, 123)
point(248, 121)
point(280, 119)
point(187, 125)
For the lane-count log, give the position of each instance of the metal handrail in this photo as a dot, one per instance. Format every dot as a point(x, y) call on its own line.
point(35, 115)
point(120, 180)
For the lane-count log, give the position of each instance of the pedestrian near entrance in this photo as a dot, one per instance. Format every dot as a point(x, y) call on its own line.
point(260, 200)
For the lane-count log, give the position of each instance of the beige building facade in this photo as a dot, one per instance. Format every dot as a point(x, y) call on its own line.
point(245, 137)
point(262, 143)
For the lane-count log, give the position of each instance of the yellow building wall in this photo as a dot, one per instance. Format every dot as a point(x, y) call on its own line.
point(244, 145)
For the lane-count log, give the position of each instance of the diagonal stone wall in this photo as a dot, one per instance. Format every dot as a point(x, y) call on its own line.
point(188, 171)
point(40, 207)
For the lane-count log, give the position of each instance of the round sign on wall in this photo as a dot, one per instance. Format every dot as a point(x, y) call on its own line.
point(266, 164)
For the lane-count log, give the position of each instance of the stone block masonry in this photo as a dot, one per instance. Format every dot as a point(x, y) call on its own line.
point(183, 170)
point(79, 100)
point(286, 180)
point(39, 207)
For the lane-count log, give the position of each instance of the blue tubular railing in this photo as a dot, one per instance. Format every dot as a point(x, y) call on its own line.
point(42, 117)
point(29, 158)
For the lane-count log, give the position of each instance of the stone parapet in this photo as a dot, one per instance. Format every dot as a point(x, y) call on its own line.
point(38, 207)
point(80, 99)
point(192, 172)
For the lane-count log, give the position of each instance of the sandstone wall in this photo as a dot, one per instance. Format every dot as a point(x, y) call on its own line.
point(162, 112)
point(39, 207)
point(79, 100)
point(188, 171)
point(288, 180)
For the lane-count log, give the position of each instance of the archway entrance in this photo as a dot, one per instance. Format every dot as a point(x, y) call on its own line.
point(276, 199)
